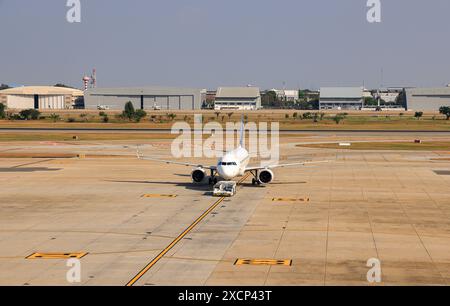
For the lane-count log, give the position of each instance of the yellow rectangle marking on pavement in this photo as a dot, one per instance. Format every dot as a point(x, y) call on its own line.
point(290, 200)
point(263, 262)
point(56, 255)
point(158, 196)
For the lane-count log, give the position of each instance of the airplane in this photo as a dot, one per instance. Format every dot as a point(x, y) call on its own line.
point(232, 165)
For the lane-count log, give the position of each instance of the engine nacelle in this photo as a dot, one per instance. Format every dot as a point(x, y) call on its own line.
point(198, 175)
point(266, 176)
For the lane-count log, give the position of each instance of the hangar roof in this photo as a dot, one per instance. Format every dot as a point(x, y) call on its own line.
point(147, 90)
point(238, 92)
point(442, 91)
point(41, 90)
point(341, 92)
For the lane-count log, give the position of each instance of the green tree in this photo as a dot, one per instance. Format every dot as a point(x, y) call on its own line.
point(316, 117)
point(129, 111)
point(445, 110)
point(338, 118)
point(172, 116)
point(269, 99)
point(307, 115)
point(139, 115)
point(2, 111)
point(54, 117)
point(370, 101)
point(30, 114)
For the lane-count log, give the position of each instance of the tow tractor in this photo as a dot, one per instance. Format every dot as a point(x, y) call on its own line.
point(225, 189)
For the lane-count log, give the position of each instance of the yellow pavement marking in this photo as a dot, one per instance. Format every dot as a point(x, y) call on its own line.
point(178, 239)
point(159, 196)
point(290, 200)
point(263, 262)
point(56, 255)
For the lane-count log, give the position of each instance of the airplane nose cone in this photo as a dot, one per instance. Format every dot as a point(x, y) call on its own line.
point(228, 173)
point(231, 173)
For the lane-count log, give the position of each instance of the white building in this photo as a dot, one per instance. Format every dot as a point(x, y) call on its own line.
point(367, 93)
point(286, 94)
point(237, 98)
point(341, 98)
point(389, 95)
point(40, 97)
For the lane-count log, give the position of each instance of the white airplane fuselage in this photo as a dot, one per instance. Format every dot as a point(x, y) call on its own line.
point(233, 164)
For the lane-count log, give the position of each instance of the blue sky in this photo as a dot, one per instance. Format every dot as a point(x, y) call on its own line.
point(209, 43)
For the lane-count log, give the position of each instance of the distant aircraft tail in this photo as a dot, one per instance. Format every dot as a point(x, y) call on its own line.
point(138, 152)
point(241, 140)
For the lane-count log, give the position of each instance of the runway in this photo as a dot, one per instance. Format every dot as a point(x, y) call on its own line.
point(168, 131)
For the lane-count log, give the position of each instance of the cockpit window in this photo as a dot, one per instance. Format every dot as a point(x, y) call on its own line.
point(228, 164)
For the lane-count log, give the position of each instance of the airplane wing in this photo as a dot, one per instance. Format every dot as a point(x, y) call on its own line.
point(285, 165)
point(142, 157)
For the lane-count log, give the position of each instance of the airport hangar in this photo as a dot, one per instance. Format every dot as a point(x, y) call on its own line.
point(161, 98)
point(345, 98)
point(426, 99)
point(40, 97)
point(238, 98)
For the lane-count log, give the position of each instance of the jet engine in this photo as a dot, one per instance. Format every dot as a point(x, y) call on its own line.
point(266, 176)
point(198, 175)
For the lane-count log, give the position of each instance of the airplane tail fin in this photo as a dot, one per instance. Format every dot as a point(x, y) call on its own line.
point(138, 152)
point(242, 135)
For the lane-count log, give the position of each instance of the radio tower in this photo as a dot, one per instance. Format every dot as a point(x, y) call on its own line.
point(94, 78)
point(86, 81)
point(90, 82)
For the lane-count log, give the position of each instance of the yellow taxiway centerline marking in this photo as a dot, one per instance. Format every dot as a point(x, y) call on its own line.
point(159, 196)
point(135, 279)
point(290, 200)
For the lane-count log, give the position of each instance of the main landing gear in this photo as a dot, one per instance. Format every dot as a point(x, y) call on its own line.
point(255, 180)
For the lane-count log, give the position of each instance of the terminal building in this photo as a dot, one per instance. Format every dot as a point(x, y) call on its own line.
point(426, 99)
point(41, 97)
point(341, 98)
point(237, 98)
point(156, 98)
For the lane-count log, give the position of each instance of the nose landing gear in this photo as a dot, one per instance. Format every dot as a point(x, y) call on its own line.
point(213, 179)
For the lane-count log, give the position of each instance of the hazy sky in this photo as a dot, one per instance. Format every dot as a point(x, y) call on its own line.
point(208, 43)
